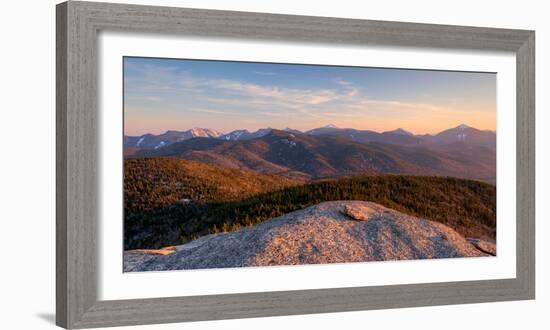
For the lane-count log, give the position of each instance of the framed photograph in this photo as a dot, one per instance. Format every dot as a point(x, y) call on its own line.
point(217, 165)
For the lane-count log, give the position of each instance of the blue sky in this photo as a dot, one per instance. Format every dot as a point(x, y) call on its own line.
point(168, 94)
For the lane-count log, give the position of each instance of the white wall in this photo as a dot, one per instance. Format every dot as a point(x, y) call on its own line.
point(27, 165)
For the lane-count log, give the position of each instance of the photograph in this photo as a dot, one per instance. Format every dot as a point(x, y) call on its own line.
point(242, 164)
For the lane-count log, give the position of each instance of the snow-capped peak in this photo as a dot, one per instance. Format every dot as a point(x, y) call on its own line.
point(160, 145)
point(213, 132)
point(262, 132)
point(197, 132)
point(234, 135)
point(330, 126)
point(140, 141)
point(204, 132)
point(461, 134)
point(237, 134)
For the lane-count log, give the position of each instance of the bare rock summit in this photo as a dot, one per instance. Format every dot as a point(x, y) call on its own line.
point(329, 232)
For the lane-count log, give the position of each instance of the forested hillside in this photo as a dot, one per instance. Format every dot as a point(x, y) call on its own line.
point(171, 201)
point(157, 182)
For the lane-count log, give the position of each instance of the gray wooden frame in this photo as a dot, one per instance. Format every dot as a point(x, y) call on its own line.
point(78, 24)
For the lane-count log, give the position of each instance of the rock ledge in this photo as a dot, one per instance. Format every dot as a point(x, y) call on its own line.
point(329, 232)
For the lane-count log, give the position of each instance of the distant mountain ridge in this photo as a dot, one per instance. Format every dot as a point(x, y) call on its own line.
point(150, 141)
point(462, 133)
point(355, 135)
point(312, 156)
point(243, 134)
point(400, 131)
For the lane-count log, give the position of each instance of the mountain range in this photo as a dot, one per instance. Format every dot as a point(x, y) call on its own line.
point(461, 133)
point(329, 151)
point(150, 141)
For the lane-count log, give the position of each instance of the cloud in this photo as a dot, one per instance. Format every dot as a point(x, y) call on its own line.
point(214, 111)
point(265, 73)
point(181, 90)
point(274, 93)
point(273, 114)
point(207, 110)
point(149, 78)
point(343, 82)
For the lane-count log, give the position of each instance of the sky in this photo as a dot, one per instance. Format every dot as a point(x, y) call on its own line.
point(174, 94)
